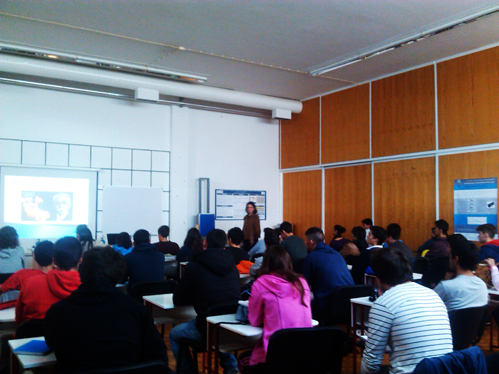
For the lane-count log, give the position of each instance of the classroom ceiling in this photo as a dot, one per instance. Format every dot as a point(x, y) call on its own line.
point(259, 46)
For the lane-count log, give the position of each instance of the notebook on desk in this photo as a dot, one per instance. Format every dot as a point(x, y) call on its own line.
point(33, 347)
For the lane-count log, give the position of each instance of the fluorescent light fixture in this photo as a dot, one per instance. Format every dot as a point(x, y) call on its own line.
point(403, 42)
point(100, 63)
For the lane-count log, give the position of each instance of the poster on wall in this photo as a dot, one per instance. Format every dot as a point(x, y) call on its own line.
point(231, 204)
point(475, 203)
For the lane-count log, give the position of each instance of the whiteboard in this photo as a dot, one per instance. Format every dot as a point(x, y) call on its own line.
point(130, 209)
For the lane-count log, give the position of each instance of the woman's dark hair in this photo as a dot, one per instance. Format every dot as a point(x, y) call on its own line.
point(340, 231)
point(85, 237)
point(102, 262)
point(124, 240)
point(194, 240)
point(276, 261)
point(359, 233)
point(253, 205)
point(8, 237)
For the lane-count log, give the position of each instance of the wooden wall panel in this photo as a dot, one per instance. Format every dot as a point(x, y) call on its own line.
point(404, 193)
point(403, 113)
point(300, 137)
point(468, 99)
point(302, 199)
point(347, 197)
point(345, 125)
point(462, 166)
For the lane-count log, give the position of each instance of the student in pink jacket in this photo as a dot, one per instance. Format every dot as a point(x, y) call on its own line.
point(279, 299)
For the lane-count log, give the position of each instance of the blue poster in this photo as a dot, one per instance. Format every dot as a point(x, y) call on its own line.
point(475, 203)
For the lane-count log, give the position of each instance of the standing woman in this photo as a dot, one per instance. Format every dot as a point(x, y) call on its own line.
point(280, 299)
point(251, 226)
point(11, 253)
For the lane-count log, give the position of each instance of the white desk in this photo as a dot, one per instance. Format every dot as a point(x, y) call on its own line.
point(163, 311)
point(493, 291)
point(417, 276)
point(170, 259)
point(7, 315)
point(233, 336)
point(28, 361)
point(364, 305)
point(349, 267)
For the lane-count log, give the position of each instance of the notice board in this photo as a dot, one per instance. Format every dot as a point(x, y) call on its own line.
point(231, 204)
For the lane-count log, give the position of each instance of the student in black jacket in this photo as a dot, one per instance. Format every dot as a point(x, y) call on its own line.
point(210, 278)
point(97, 326)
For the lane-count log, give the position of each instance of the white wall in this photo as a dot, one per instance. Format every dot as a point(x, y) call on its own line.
point(234, 152)
point(120, 137)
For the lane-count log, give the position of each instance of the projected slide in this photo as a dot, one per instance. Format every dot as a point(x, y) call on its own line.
point(47, 203)
point(39, 200)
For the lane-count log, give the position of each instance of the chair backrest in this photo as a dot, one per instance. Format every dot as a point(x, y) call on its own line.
point(341, 309)
point(152, 288)
point(467, 325)
point(4, 277)
point(316, 350)
point(151, 367)
point(30, 329)
point(470, 360)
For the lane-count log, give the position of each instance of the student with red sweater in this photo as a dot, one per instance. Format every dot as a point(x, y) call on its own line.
point(39, 292)
point(44, 253)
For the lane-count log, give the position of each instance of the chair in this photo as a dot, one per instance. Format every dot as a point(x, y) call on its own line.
point(470, 360)
point(151, 367)
point(139, 290)
point(468, 325)
point(341, 307)
point(316, 350)
point(201, 347)
point(30, 329)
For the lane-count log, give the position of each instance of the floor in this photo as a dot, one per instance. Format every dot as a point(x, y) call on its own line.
point(347, 360)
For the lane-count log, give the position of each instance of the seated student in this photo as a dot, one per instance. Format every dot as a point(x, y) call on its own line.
point(366, 225)
point(338, 241)
point(293, 244)
point(211, 278)
point(411, 319)
point(278, 291)
point(144, 263)
point(465, 290)
point(259, 247)
point(356, 254)
point(43, 255)
point(84, 235)
point(235, 236)
point(325, 270)
point(124, 243)
point(375, 240)
point(193, 244)
point(393, 231)
point(164, 245)
point(440, 245)
point(11, 252)
point(490, 247)
point(97, 326)
point(271, 238)
point(38, 293)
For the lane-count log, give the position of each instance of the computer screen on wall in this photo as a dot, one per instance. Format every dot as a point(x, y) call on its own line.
point(45, 203)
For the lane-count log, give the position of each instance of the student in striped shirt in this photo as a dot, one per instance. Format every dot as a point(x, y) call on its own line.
point(408, 318)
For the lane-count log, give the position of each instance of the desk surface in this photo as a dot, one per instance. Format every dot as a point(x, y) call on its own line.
point(362, 301)
point(244, 330)
point(493, 291)
point(417, 276)
point(32, 361)
point(164, 301)
point(7, 315)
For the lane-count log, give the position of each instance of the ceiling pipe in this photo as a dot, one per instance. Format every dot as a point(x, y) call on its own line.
point(49, 69)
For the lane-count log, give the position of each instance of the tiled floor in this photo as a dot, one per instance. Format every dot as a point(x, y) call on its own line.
point(347, 361)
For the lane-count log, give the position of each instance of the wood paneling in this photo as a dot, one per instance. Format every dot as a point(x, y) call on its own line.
point(302, 196)
point(404, 193)
point(468, 99)
point(403, 113)
point(345, 125)
point(347, 197)
point(462, 166)
point(300, 137)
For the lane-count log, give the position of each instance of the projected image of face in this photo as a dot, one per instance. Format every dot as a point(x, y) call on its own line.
point(62, 207)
